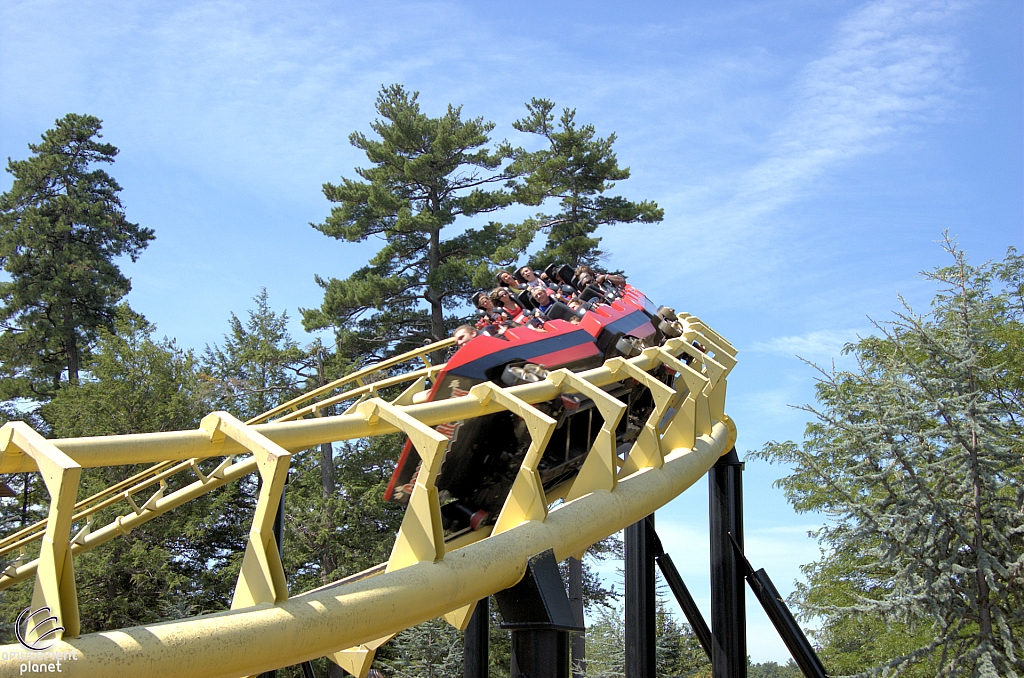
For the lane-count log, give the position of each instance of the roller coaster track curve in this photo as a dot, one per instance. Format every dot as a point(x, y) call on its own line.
point(426, 576)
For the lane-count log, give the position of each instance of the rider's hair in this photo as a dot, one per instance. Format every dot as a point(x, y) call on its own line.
point(495, 295)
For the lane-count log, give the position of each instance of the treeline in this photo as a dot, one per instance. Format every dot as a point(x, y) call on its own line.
point(916, 460)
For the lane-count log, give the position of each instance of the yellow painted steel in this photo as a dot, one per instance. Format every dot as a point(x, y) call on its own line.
point(55, 573)
point(246, 642)
point(261, 578)
point(600, 468)
point(425, 577)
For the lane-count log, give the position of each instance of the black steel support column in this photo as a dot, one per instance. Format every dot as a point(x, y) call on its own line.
point(728, 612)
point(579, 640)
point(681, 593)
point(476, 642)
point(537, 612)
point(640, 600)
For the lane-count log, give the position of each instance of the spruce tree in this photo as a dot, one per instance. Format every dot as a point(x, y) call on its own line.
point(432, 649)
point(916, 459)
point(259, 365)
point(577, 168)
point(425, 174)
point(61, 228)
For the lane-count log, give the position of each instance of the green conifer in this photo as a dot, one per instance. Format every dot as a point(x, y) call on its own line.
point(61, 228)
point(916, 460)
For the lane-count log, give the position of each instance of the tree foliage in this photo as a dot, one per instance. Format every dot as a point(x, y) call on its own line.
point(677, 650)
point(577, 168)
point(330, 537)
point(915, 458)
point(259, 365)
point(425, 173)
point(183, 562)
point(133, 384)
point(61, 228)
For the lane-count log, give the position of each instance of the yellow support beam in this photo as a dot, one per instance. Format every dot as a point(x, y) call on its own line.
point(55, 571)
point(600, 468)
point(261, 578)
point(526, 500)
point(421, 535)
point(646, 451)
point(148, 448)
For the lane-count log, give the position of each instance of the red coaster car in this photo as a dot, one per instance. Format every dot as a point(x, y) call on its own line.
point(485, 452)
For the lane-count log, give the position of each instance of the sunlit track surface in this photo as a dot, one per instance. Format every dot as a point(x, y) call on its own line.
point(426, 576)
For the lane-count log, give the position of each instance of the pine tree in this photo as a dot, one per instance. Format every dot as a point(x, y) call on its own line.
point(916, 459)
point(606, 652)
point(576, 168)
point(432, 649)
point(677, 650)
point(259, 365)
point(329, 537)
point(61, 228)
point(425, 174)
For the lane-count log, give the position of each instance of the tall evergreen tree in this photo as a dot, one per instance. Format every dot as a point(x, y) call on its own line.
point(425, 173)
point(259, 365)
point(61, 228)
point(577, 168)
point(916, 459)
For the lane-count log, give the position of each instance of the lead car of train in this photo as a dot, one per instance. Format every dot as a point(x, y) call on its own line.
point(485, 453)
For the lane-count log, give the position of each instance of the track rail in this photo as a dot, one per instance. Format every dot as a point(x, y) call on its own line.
point(424, 577)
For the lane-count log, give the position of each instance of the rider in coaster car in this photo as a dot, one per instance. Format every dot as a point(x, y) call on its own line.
point(584, 279)
point(579, 306)
point(552, 309)
point(492, 320)
point(600, 278)
point(529, 278)
point(501, 297)
point(463, 334)
point(561, 276)
point(506, 279)
point(543, 299)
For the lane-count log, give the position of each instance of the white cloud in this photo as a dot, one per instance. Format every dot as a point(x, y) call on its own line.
point(818, 346)
point(891, 67)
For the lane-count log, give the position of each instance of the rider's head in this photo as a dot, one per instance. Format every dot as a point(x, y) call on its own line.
point(505, 279)
point(482, 301)
point(502, 297)
point(463, 334)
point(527, 274)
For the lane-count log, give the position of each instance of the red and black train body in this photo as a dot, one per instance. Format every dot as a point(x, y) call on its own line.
point(485, 452)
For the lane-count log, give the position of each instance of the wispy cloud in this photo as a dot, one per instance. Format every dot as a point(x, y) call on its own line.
point(890, 68)
point(816, 346)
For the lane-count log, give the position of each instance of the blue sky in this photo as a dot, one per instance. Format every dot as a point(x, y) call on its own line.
point(807, 154)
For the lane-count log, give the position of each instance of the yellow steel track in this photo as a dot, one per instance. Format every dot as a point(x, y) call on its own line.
point(425, 577)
